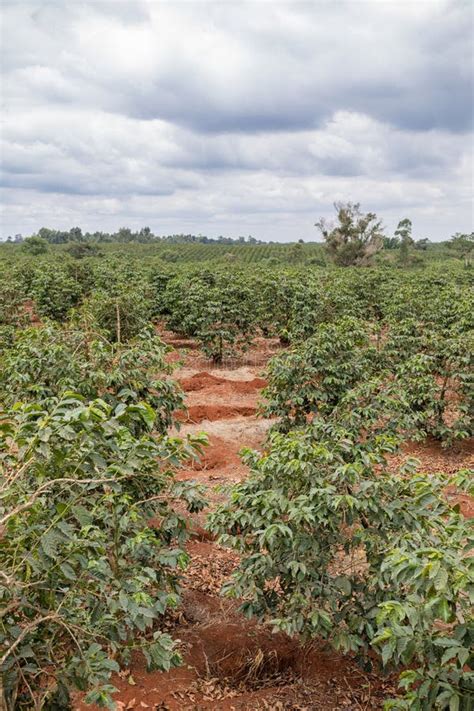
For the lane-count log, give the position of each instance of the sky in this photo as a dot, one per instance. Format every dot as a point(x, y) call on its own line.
point(235, 118)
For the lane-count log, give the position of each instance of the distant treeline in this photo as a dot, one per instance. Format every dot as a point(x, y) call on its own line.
point(125, 234)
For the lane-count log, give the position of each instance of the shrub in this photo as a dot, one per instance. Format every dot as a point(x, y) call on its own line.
point(81, 250)
point(313, 377)
point(433, 372)
point(84, 580)
point(120, 315)
point(55, 292)
point(35, 245)
point(169, 255)
point(43, 362)
point(215, 309)
point(335, 545)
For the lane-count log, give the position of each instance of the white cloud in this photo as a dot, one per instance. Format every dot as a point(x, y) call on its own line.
point(235, 117)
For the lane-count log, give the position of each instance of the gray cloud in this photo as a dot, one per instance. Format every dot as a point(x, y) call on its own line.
point(228, 117)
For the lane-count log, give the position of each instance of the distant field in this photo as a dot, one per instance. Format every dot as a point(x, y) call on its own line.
point(245, 254)
point(284, 254)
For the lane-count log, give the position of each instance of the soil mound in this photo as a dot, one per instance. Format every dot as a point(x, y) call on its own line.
point(204, 380)
point(240, 653)
point(218, 454)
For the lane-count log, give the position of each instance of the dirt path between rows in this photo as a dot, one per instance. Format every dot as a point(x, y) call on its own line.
point(231, 663)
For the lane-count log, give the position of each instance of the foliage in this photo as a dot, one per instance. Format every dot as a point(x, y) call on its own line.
point(403, 233)
point(431, 363)
point(422, 244)
point(428, 625)
point(355, 238)
point(42, 362)
point(334, 544)
point(143, 236)
point(214, 309)
point(84, 579)
point(391, 242)
point(55, 292)
point(120, 314)
point(428, 390)
point(276, 305)
point(80, 250)
point(60, 237)
point(463, 246)
point(12, 300)
point(423, 377)
point(312, 378)
point(13, 314)
point(169, 256)
point(35, 245)
point(296, 253)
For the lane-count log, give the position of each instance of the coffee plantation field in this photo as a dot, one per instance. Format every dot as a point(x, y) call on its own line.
point(131, 376)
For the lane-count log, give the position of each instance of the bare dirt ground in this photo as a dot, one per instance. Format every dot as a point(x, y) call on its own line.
point(231, 663)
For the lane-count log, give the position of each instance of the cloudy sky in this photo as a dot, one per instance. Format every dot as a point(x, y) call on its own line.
point(235, 118)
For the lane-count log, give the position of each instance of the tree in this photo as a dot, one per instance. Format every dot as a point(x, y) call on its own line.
point(145, 235)
point(403, 233)
point(391, 243)
point(422, 244)
point(35, 245)
point(75, 234)
point(356, 237)
point(124, 234)
point(403, 230)
point(463, 245)
point(55, 236)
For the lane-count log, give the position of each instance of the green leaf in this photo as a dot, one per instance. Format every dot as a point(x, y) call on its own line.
point(68, 571)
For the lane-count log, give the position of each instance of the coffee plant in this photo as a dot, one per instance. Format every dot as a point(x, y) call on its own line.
point(214, 309)
point(55, 292)
point(42, 362)
point(336, 545)
point(84, 580)
point(312, 378)
point(119, 315)
point(335, 541)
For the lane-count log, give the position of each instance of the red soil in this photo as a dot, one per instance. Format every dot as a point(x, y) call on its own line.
point(217, 455)
point(29, 310)
point(199, 413)
point(231, 663)
point(201, 381)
